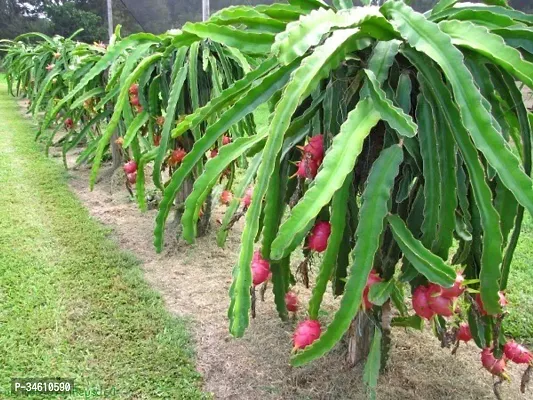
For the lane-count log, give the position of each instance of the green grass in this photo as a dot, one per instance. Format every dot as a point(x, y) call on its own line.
point(519, 323)
point(72, 304)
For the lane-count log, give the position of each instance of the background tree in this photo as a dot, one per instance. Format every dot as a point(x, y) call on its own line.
point(64, 18)
point(69, 17)
point(15, 19)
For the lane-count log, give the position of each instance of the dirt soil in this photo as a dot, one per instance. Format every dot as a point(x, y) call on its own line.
point(194, 281)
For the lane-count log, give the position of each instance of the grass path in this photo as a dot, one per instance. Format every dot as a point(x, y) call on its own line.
point(71, 304)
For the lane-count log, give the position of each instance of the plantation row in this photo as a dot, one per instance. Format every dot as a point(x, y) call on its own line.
point(398, 147)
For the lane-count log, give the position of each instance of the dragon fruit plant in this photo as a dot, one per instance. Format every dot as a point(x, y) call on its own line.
point(391, 138)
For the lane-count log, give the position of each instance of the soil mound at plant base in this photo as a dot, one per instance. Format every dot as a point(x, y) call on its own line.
point(194, 282)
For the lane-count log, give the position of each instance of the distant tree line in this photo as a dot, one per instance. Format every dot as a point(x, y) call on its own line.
point(64, 17)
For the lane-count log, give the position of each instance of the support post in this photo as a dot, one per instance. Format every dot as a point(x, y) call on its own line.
point(205, 10)
point(115, 148)
point(110, 29)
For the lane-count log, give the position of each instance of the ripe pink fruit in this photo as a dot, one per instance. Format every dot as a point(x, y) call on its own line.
point(421, 303)
point(491, 363)
point(260, 269)
point(132, 178)
point(456, 290)
point(315, 148)
point(134, 101)
point(226, 140)
point(464, 333)
point(318, 238)
point(49, 67)
point(438, 303)
point(214, 153)
point(134, 89)
point(130, 167)
point(291, 301)
point(517, 353)
point(177, 156)
point(307, 168)
point(226, 197)
point(306, 333)
point(502, 301)
point(247, 199)
point(69, 123)
point(373, 278)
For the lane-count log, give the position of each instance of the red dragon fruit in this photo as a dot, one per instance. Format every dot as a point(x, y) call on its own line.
point(373, 278)
point(491, 363)
point(421, 303)
point(438, 303)
point(130, 167)
point(291, 301)
point(517, 353)
point(464, 333)
point(132, 178)
point(50, 67)
point(502, 301)
point(134, 101)
point(213, 153)
point(177, 156)
point(69, 123)
point(247, 199)
point(306, 333)
point(260, 269)
point(318, 238)
point(134, 89)
point(315, 148)
point(307, 168)
point(226, 140)
point(456, 290)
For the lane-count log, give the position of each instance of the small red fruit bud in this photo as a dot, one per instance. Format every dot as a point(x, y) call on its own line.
point(291, 301)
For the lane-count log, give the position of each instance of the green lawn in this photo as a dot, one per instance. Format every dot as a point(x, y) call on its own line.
point(72, 304)
point(519, 323)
